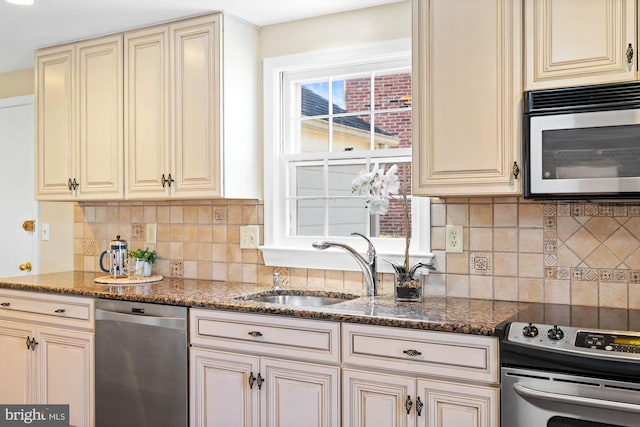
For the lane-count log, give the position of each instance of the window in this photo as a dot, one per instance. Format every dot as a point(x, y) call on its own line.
point(328, 116)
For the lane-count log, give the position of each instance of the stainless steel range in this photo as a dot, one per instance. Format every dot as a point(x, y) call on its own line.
point(570, 376)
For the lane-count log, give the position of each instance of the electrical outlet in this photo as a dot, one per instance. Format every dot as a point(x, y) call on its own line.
point(249, 237)
point(454, 239)
point(150, 233)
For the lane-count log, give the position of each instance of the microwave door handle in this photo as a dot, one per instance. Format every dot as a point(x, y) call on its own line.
point(575, 400)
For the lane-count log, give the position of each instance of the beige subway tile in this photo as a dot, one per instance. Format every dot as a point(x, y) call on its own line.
point(100, 231)
point(530, 215)
point(190, 215)
point(334, 280)
point(436, 285)
point(634, 296)
point(78, 247)
point(87, 233)
point(219, 271)
point(458, 214)
point(204, 270)
point(353, 282)
point(190, 269)
point(438, 239)
point(249, 256)
point(557, 291)
point(457, 285)
point(176, 214)
point(124, 214)
point(89, 263)
point(531, 265)
point(584, 293)
point(176, 233)
point(205, 252)
point(219, 252)
point(481, 287)
point(164, 214)
point(265, 275)
point(505, 215)
point(150, 214)
point(480, 200)
point(505, 288)
point(613, 295)
point(316, 278)
point(234, 272)
point(298, 278)
point(190, 232)
point(505, 264)
point(137, 214)
point(89, 213)
point(481, 215)
point(531, 290)
point(250, 273)
point(505, 239)
point(458, 263)
point(234, 253)
point(219, 233)
point(205, 233)
point(78, 263)
point(163, 267)
point(438, 215)
point(205, 214)
point(78, 230)
point(190, 251)
point(233, 234)
point(164, 250)
point(480, 239)
point(163, 233)
point(531, 240)
point(249, 214)
point(176, 251)
point(234, 214)
point(78, 213)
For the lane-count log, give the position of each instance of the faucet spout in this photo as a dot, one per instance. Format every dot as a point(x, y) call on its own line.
point(369, 265)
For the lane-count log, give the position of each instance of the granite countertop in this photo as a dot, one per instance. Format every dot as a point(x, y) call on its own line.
point(461, 315)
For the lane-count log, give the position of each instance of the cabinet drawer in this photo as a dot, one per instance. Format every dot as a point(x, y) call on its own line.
point(47, 308)
point(450, 355)
point(264, 334)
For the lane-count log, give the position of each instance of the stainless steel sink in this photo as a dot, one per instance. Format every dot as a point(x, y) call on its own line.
point(300, 300)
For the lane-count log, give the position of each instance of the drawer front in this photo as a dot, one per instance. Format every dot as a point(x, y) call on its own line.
point(450, 355)
point(47, 308)
point(268, 335)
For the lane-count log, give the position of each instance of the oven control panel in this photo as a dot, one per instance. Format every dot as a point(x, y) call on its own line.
point(612, 344)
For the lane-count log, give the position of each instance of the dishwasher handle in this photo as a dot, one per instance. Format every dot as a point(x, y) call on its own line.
point(177, 323)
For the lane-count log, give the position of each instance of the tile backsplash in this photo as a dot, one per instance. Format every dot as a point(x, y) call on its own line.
point(559, 252)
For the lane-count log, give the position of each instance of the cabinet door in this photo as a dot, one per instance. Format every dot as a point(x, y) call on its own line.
point(454, 405)
point(146, 93)
point(196, 101)
point(377, 400)
point(295, 391)
point(220, 394)
point(467, 97)
point(65, 372)
point(101, 149)
point(16, 366)
point(575, 42)
point(56, 134)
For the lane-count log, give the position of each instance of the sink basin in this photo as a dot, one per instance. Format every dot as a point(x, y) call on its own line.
point(299, 299)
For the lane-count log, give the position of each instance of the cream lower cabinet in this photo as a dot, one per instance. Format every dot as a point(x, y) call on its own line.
point(577, 42)
point(47, 352)
point(467, 97)
point(235, 380)
point(400, 377)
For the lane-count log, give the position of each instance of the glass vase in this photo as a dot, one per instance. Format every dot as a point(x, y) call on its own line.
point(408, 290)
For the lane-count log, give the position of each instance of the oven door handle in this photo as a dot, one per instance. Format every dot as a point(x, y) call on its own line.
point(575, 400)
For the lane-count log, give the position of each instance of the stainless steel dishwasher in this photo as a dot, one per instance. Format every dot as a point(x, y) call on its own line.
point(141, 365)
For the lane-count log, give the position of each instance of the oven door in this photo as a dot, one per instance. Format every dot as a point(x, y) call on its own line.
point(591, 153)
point(532, 398)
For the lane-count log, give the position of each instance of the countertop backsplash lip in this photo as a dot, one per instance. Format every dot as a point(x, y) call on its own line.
point(444, 314)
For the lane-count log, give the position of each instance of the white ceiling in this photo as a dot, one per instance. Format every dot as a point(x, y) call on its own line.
point(50, 22)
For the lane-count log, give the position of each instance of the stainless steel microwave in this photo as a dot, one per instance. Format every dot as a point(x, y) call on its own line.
point(582, 142)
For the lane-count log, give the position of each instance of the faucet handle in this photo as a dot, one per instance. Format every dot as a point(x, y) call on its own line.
point(371, 252)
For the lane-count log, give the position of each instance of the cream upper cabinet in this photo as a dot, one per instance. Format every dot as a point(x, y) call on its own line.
point(467, 97)
point(577, 42)
point(179, 140)
point(79, 143)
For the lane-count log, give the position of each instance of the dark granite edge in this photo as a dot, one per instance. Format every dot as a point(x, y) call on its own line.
point(239, 303)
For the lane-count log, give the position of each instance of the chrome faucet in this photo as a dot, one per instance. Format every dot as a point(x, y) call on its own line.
point(369, 265)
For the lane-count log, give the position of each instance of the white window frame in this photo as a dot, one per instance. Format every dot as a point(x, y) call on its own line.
point(281, 249)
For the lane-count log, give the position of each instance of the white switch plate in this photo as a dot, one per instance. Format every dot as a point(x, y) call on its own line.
point(150, 231)
point(249, 237)
point(45, 232)
point(454, 238)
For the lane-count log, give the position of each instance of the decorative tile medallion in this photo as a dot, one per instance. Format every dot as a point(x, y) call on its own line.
point(137, 231)
point(220, 215)
point(89, 247)
point(177, 269)
point(480, 263)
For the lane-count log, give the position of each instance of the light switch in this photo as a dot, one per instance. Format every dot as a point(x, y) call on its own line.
point(45, 232)
point(150, 231)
